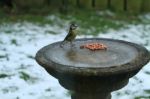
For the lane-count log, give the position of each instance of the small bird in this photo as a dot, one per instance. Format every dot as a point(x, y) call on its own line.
point(71, 34)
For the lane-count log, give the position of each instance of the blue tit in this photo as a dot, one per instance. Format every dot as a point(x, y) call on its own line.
point(71, 34)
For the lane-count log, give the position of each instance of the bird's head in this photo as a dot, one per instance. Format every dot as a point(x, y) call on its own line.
point(73, 26)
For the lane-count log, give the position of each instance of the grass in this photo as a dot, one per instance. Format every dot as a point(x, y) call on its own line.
point(24, 76)
point(90, 23)
point(142, 97)
point(4, 75)
point(28, 78)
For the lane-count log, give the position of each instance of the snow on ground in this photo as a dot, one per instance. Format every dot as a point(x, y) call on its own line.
point(22, 78)
point(25, 78)
point(139, 34)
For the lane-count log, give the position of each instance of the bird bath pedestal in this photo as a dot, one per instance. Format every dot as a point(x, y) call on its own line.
point(93, 74)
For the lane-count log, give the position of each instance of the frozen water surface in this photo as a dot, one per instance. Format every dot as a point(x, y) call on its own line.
point(22, 78)
point(116, 54)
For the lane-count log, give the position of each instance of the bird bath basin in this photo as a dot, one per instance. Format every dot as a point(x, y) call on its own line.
point(93, 74)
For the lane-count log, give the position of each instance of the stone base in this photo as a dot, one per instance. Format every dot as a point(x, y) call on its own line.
point(91, 96)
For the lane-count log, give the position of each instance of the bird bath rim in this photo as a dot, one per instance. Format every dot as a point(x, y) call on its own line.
point(135, 65)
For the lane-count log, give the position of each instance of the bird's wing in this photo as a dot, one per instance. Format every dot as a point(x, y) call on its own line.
point(67, 37)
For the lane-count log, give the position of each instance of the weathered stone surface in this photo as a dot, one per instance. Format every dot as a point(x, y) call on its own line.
point(93, 74)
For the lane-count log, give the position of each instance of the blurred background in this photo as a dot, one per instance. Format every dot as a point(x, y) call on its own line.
point(28, 25)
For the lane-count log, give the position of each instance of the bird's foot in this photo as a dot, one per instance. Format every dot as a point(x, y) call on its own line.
point(72, 45)
point(62, 45)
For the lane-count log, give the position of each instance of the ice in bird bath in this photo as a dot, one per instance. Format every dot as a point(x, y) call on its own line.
point(117, 53)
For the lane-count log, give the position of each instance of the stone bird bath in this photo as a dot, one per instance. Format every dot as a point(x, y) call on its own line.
point(93, 74)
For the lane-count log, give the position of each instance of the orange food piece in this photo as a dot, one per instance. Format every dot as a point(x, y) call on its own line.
point(94, 46)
